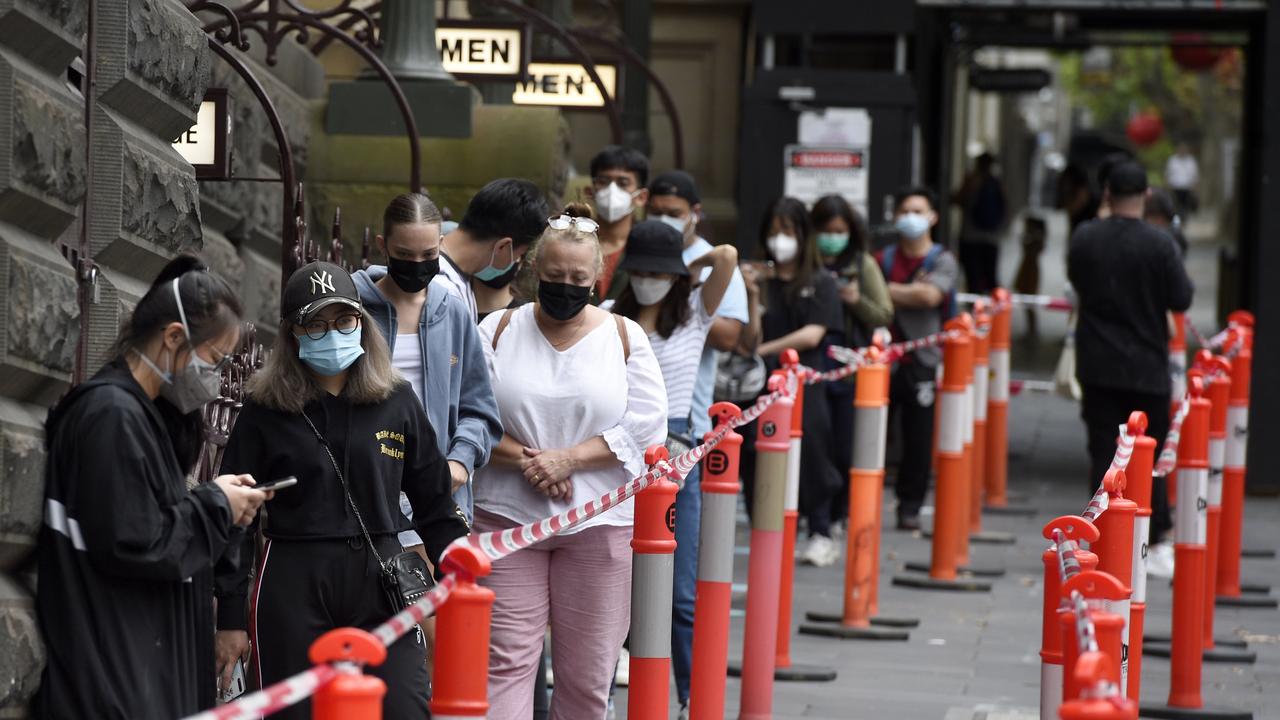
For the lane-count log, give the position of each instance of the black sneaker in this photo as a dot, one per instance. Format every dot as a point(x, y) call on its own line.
point(909, 522)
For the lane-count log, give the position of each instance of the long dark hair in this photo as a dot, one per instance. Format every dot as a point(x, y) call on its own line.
point(830, 207)
point(808, 263)
point(210, 307)
point(672, 313)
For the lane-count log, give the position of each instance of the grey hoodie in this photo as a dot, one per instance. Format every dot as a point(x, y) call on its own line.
point(467, 425)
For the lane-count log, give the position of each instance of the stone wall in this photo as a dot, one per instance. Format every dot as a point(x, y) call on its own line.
point(153, 68)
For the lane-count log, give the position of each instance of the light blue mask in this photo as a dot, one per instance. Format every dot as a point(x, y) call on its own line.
point(490, 272)
point(332, 353)
point(912, 225)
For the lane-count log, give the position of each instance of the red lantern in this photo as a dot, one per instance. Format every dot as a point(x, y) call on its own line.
point(1191, 52)
point(1144, 128)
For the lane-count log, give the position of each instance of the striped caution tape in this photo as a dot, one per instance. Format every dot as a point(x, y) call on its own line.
point(1047, 302)
point(1168, 460)
point(272, 699)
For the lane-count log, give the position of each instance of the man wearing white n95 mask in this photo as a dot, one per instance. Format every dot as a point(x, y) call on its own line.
point(618, 178)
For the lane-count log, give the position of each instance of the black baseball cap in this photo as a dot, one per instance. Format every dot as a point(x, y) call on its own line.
point(1126, 179)
point(654, 246)
point(678, 183)
point(316, 286)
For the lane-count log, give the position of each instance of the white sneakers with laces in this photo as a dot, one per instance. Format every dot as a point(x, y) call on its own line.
point(1160, 560)
point(821, 551)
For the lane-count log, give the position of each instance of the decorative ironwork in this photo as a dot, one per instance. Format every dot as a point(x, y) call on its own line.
point(220, 415)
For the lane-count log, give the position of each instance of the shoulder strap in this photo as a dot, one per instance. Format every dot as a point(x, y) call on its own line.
point(931, 258)
point(502, 325)
point(887, 261)
point(622, 335)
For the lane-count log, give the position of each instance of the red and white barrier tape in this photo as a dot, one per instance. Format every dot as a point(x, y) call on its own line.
point(1120, 461)
point(1048, 302)
point(1168, 460)
point(1214, 343)
point(272, 699)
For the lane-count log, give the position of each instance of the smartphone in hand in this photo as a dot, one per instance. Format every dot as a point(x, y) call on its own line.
point(235, 688)
point(280, 484)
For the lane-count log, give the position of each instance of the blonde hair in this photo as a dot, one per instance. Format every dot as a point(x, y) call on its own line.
point(284, 384)
point(570, 235)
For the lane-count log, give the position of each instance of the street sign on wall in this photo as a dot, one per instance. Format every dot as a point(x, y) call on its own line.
point(566, 85)
point(206, 145)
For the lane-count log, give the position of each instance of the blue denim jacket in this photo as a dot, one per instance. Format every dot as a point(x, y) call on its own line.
point(467, 426)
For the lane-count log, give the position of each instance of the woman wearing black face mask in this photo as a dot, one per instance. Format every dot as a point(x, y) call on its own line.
point(124, 624)
point(580, 395)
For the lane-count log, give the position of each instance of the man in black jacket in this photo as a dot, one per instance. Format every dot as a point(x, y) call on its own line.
point(1128, 277)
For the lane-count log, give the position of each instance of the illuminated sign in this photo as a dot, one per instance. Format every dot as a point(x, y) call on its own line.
point(490, 50)
point(565, 84)
point(206, 145)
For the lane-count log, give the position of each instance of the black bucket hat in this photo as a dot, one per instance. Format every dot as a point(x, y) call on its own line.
point(654, 246)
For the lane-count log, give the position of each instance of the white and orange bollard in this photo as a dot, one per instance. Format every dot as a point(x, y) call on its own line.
point(1075, 529)
point(1090, 673)
point(1186, 647)
point(984, 325)
point(1138, 487)
point(996, 480)
point(857, 620)
point(460, 682)
point(951, 492)
point(653, 547)
point(715, 570)
point(760, 642)
point(1115, 556)
point(1101, 592)
point(351, 695)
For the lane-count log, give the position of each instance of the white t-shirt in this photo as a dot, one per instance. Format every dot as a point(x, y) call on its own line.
point(452, 279)
point(681, 354)
point(406, 357)
point(732, 306)
point(548, 399)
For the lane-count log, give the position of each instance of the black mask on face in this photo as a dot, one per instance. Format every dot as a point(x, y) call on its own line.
point(412, 275)
point(562, 301)
point(502, 280)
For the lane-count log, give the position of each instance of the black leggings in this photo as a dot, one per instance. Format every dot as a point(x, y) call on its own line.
point(1104, 410)
point(306, 589)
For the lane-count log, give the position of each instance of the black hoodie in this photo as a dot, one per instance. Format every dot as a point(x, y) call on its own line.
point(123, 559)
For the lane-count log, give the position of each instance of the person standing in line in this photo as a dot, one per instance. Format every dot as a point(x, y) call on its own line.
point(1182, 175)
point(1162, 211)
point(581, 396)
point(619, 176)
point(983, 202)
point(329, 409)
point(434, 346)
point(501, 222)
point(922, 279)
point(802, 311)
point(1128, 277)
point(842, 243)
point(662, 298)
point(119, 606)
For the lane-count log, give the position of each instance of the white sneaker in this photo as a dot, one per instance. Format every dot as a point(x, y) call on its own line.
point(622, 676)
point(821, 551)
point(1160, 560)
point(684, 711)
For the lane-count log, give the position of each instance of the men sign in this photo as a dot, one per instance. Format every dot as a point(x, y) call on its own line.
point(205, 145)
point(489, 50)
point(564, 84)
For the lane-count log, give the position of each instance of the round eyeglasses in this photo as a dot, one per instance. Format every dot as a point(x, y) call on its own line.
point(344, 324)
point(563, 222)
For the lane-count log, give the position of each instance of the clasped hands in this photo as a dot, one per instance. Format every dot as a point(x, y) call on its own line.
point(549, 471)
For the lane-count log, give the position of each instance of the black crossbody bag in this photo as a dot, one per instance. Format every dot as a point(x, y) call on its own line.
point(405, 577)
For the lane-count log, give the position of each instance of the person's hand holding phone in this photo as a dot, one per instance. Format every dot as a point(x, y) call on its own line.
point(229, 647)
point(243, 498)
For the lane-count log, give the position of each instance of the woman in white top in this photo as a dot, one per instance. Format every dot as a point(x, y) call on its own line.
point(677, 316)
point(580, 395)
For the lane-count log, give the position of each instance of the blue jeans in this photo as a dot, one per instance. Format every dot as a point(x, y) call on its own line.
point(688, 524)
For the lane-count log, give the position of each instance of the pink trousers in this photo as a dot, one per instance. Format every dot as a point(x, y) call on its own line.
point(581, 584)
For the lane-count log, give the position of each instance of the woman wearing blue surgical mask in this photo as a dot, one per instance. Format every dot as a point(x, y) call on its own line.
point(802, 312)
point(125, 552)
point(329, 409)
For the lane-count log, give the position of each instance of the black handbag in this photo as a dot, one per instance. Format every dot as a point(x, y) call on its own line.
point(405, 578)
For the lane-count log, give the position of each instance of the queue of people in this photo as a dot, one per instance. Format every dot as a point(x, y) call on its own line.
point(481, 379)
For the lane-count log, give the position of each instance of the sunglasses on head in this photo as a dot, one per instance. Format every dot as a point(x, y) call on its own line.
point(563, 222)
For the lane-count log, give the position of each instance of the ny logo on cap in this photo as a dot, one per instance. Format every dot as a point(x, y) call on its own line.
point(321, 282)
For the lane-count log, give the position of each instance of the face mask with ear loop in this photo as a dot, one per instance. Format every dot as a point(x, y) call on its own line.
point(197, 384)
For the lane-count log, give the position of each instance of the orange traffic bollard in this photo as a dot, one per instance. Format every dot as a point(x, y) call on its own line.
point(1075, 529)
point(653, 547)
point(715, 570)
point(1101, 592)
point(866, 483)
point(966, 430)
point(951, 493)
point(1091, 670)
point(460, 682)
point(1115, 555)
point(351, 695)
point(981, 406)
point(759, 646)
point(1186, 647)
point(1138, 487)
